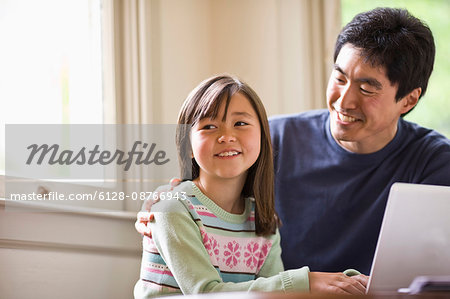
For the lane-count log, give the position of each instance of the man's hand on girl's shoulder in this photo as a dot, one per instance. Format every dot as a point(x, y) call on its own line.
point(146, 216)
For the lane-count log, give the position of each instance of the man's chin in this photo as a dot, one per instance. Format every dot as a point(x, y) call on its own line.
point(340, 139)
point(341, 136)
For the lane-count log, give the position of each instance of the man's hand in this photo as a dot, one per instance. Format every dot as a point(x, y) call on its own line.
point(141, 223)
point(144, 217)
point(337, 283)
point(363, 279)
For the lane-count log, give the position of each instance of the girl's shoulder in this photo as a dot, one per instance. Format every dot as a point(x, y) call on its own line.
point(175, 200)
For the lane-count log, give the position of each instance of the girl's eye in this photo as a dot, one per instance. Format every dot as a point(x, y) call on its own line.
point(240, 123)
point(208, 127)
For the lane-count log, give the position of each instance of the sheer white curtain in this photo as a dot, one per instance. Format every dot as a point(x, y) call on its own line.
point(163, 48)
point(308, 32)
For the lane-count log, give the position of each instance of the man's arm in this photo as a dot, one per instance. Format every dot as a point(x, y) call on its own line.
point(145, 216)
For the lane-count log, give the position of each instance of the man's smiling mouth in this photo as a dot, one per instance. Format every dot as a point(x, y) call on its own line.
point(345, 118)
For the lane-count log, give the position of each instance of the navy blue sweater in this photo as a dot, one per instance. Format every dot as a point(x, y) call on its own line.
point(331, 201)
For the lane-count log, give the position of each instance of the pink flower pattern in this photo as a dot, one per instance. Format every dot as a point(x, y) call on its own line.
point(214, 246)
point(232, 254)
point(253, 253)
point(206, 240)
point(265, 248)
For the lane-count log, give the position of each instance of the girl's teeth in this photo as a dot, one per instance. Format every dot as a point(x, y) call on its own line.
point(226, 154)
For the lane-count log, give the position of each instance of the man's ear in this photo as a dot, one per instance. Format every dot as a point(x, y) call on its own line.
point(410, 100)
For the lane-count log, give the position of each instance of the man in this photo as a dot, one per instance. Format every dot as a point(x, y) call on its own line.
point(334, 169)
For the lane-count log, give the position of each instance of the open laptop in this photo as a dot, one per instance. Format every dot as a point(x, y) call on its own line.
point(414, 238)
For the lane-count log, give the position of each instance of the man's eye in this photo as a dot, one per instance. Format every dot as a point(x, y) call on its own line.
point(240, 123)
point(340, 80)
point(366, 91)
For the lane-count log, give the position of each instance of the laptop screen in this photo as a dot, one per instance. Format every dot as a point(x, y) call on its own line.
point(414, 238)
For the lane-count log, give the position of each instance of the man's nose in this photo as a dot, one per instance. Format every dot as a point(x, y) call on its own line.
point(348, 98)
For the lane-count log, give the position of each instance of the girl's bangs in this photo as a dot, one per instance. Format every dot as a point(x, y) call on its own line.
point(209, 104)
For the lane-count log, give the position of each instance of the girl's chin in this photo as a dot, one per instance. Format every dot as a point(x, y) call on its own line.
point(231, 175)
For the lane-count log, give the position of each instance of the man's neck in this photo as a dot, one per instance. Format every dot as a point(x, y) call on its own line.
point(368, 145)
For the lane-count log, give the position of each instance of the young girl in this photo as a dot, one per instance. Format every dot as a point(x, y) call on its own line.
point(219, 232)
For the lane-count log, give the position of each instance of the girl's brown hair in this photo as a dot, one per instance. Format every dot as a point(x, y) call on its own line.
point(204, 101)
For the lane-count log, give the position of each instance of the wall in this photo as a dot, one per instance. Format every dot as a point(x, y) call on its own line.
point(67, 254)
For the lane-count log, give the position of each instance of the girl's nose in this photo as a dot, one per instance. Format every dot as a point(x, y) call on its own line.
point(226, 137)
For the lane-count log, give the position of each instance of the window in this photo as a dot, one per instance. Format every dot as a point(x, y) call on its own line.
point(53, 67)
point(51, 58)
point(433, 109)
point(64, 62)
